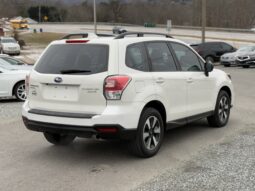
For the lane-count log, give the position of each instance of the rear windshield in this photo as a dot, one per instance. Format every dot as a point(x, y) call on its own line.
point(74, 59)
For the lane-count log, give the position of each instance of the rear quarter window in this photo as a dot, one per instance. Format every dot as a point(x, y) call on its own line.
point(136, 57)
point(89, 58)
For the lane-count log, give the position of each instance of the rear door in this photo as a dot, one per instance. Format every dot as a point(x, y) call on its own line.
point(169, 81)
point(216, 49)
point(69, 78)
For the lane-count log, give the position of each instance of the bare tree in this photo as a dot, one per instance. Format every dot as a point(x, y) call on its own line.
point(116, 7)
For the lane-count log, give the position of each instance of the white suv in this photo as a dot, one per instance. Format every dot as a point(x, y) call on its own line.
point(128, 87)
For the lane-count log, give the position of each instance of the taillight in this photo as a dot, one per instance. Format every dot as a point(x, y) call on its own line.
point(114, 86)
point(27, 82)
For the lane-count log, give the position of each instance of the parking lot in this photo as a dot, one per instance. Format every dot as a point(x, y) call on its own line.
point(28, 162)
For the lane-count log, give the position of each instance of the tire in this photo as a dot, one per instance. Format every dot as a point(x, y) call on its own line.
point(222, 111)
point(20, 91)
point(58, 139)
point(148, 138)
point(227, 65)
point(209, 59)
point(246, 66)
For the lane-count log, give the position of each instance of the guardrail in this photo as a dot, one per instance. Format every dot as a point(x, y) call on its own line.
point(157, 26)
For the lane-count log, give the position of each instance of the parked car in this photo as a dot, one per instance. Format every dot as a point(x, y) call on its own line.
point(118, 30)
point(12, 82)
point(15, 63)
point(212, 51)
point(229, 59)
point(128, 88)
point(246, 60)
point(9, 45)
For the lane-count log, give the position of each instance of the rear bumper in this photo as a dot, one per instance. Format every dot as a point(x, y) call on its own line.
point(100, 131)
point(123, 117)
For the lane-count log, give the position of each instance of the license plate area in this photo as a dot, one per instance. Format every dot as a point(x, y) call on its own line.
point(60, 92)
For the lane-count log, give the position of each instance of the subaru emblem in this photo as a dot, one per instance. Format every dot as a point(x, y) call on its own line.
point(58, 80)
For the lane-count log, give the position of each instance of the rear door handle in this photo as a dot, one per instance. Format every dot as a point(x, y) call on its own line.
point(160, 80)
point(190, 80)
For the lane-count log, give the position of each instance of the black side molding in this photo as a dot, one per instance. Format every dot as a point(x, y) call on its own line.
point(184, 121)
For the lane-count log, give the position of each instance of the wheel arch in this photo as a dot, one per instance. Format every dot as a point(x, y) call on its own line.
point(211, 56)
point(159, 106)
point(13, 88)
point(228, 90)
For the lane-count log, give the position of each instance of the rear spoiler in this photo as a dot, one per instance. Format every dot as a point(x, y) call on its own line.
point(85, 35)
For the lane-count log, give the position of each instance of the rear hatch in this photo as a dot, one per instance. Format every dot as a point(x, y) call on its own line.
point(69, 78)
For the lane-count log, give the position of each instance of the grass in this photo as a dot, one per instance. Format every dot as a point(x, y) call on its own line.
point(40, 39)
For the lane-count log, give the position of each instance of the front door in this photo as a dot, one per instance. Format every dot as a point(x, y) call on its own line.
point(200, 88)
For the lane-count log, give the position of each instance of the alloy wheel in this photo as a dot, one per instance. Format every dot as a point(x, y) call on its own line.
point(21, 92)
point(151, 132)
point(223, 111)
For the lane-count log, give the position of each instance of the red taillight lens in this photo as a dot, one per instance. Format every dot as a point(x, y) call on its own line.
point(114, 86)
point(76, 41)
point(27, 83)
point(107, 130)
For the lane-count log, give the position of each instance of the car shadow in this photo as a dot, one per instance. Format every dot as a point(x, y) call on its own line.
point(9, 100)
point(252, 67)
point(91, 151)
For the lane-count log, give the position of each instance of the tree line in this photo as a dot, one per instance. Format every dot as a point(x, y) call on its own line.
point(227, 13)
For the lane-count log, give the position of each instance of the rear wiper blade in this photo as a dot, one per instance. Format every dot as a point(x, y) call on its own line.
point(73, 71)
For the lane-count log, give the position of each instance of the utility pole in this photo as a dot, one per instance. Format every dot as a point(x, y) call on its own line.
point(95, 17)
point(203, 19)
point(39, 13)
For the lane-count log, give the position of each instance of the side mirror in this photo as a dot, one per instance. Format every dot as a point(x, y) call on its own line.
point(208, 67)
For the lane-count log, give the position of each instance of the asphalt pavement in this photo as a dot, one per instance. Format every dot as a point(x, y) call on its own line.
point(193, 157)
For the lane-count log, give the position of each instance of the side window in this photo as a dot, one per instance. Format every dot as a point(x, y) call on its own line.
point(202, 64)
point(226, 47)
point(188, 60)
point(214, 46)
point(12, 61)
point(136, 57)
point(161, 57)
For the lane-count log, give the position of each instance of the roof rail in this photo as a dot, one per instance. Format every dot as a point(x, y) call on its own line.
point(86, 35)
point(105, 35)
point(141, 34)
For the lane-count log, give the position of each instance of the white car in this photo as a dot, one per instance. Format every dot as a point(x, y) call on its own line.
point(126, 87)
point(6, 60)
point(229, 59)
point(12, 82)
point(9, 45)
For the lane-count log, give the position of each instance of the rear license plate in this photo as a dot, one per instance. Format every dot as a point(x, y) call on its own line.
point(60, 92)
